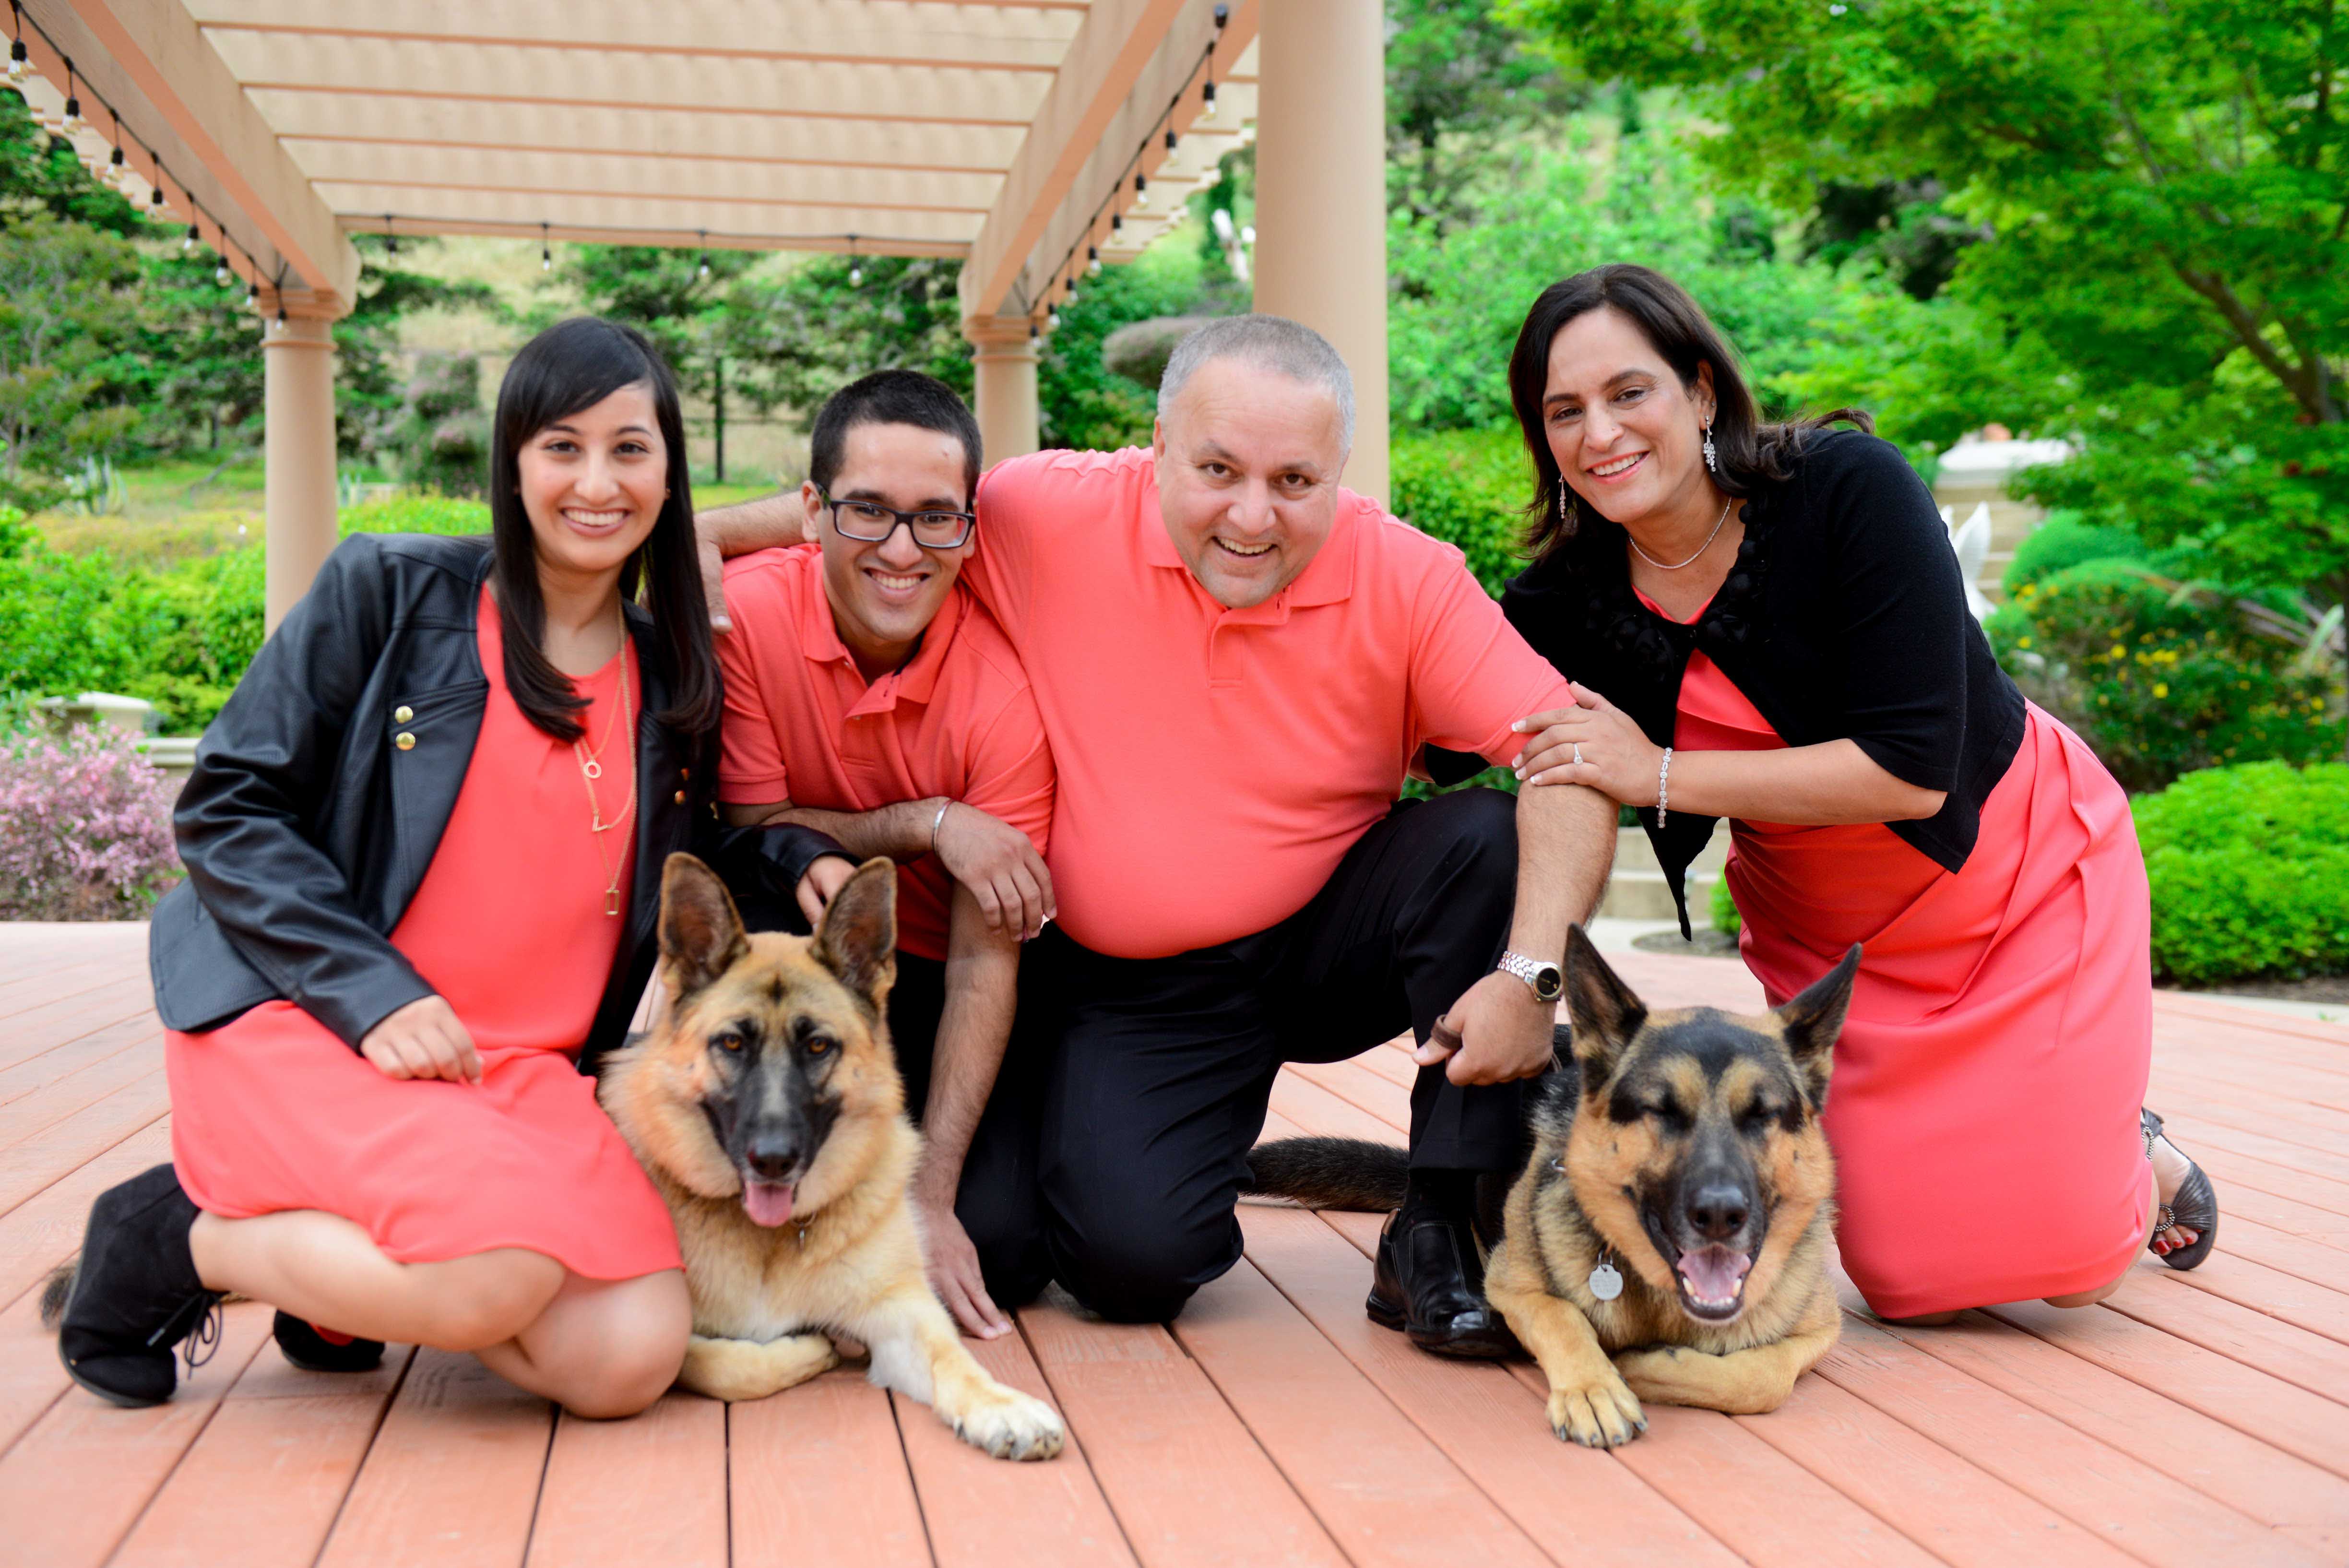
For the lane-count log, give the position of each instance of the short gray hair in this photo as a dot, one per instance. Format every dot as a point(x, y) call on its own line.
point(1271, 343)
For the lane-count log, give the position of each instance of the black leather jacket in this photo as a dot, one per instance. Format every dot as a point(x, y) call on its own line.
point(321, 791)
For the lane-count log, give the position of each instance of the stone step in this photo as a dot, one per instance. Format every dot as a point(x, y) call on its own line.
point(1646, 896)
point(1634, 853)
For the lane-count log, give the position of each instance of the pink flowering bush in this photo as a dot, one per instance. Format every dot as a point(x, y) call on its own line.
point(85, 828)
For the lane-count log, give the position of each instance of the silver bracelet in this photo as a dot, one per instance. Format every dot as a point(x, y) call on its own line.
point(939, 821)
point(1664, 789)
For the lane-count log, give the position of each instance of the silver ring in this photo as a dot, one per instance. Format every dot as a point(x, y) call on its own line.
point(1577, 754)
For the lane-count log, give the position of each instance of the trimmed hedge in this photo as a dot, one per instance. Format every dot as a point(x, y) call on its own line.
point(1467, 488)
point(2250, 866)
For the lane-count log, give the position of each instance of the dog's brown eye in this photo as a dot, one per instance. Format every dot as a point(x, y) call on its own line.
point(728, 1042)
point(818, 1046)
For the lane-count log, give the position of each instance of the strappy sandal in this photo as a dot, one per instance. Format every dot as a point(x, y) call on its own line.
point(2195, 1205)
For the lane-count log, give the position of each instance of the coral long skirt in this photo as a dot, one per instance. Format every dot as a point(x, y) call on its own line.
point(1984, 1106)
point(271, 1112)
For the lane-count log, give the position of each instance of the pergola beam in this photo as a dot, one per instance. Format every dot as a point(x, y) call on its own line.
point(654, 220)
point(1059, 192)
point(900, 32)
point(158, 48)
point(506, 74)
point(788, 135)
point(626, 178)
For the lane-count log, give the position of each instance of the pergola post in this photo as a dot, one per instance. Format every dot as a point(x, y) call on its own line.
point(298, 415)
point(1321, 196)
point(1003, 367)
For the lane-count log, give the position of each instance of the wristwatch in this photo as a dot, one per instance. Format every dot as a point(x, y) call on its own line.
point(1548, 983)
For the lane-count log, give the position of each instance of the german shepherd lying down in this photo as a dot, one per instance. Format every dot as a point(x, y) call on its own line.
point(766, 1105)
point(1668, 1238)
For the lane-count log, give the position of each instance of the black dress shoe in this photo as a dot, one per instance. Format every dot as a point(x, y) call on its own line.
point(304, 1346)
point(135, 1295)
point(1430, 1283)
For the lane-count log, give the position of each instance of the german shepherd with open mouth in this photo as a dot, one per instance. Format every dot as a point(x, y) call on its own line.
point(766, 1105)
point(1668, 1239)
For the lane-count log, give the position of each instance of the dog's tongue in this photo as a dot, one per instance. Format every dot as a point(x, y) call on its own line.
point(1713, 1273)
point(767, 1202)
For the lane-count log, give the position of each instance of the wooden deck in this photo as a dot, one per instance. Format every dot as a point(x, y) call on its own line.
point(2197, 1420)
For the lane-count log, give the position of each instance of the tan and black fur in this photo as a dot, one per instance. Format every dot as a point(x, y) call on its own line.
point(1682, 1140)
point(768, 1085)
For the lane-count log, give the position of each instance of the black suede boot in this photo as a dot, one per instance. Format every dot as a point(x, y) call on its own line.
point(135, 1295)
point(314, 1350)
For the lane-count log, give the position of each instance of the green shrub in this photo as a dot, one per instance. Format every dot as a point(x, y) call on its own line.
point(2249, 868)
point(1467, 488)
point(2063, 540)
point(2159, 684)
point(415, 512)
point(1725, 917)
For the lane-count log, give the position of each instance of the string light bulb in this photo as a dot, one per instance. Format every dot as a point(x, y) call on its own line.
point(1171, 139)
point(1140, 190)
point(1207, 92)
point(701, 270)
point(1092, 261)
point(856, 268)
point(252, 294)
point(1116, 225)
point(1073, 286)
point(545, 251)
point(390, 237)
point(20, 63)
point(188, 241)
point(73, 122)
point(1052, 319)
point(118, 168)
point(222, 276)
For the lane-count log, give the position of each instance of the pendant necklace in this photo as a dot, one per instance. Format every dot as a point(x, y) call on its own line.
point(591, 768)
point(1701, 549)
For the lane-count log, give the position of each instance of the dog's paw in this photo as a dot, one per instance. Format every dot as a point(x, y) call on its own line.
point(1602, 1414)
point(1012, 1425)
point(1662, 1371)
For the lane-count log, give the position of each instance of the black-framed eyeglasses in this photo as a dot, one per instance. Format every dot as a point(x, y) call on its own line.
point(870, 523)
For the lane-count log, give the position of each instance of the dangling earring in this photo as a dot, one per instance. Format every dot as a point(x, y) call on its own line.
point(1712, 459)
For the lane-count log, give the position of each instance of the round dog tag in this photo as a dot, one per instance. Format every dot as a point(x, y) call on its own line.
point(1606, 1282)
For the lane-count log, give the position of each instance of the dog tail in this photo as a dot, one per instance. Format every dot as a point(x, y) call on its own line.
point(54, 1292)
point(1330, 1173)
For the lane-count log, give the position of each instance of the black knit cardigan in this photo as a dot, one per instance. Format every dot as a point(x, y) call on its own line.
point(1844, 616)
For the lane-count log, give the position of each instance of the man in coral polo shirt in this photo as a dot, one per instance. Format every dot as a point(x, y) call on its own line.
point(1236, 660)
point(869, 694)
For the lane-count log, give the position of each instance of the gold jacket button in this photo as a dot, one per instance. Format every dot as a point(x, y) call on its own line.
point(404, 740)
point(681, 798)
point(402, 714)
point(685, 772)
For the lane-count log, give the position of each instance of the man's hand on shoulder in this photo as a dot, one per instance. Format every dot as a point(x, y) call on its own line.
point(1000, 867)
point(1504, 1031)
point(737, 530)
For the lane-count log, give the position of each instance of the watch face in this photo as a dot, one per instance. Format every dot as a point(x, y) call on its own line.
point(1549, 982)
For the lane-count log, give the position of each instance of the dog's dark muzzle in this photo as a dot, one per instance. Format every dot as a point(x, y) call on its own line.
point(1708, 1229)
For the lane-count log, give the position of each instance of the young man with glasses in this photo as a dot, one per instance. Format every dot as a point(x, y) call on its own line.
point(1236, 659)
point(869, 694)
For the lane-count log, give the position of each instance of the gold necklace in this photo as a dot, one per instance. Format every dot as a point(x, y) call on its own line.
point(591, 768)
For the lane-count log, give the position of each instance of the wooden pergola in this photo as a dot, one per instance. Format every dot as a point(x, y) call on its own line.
point(1028, 140)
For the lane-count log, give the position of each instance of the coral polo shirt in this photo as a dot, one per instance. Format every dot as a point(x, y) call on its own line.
point(1216, 764)
point(804, 725)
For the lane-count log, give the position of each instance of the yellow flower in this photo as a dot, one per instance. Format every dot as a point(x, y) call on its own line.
point(2161, 687)
point(2119, 651)
point(2022, 642)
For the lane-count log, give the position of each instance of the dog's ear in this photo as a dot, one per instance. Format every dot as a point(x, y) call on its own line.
point(1605, 1011)
point(1814, 1019)
point(700, 933)
point(857, 938)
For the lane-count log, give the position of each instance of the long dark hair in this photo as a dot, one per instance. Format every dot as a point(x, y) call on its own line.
point(572, 366)
point(1751, 453)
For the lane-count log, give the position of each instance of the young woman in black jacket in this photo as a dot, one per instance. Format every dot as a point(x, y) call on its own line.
point(424, 842)
point(1766, 623)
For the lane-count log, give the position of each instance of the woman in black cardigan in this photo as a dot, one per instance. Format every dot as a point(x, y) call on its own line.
point(1767, 623)
point(424, 843)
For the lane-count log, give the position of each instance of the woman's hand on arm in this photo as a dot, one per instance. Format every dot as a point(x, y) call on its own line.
point(1825, 784)
point(423, 1040)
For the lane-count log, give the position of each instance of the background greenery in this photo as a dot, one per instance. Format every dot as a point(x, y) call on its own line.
point(2123, 227)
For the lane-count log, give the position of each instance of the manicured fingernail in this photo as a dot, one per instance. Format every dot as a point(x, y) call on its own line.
point(1519, 726)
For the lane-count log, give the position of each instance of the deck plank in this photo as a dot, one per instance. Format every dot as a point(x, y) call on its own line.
point(2237, 1277)
point(1483, 1419)
point(1186, 1479)
point(1386, 1493)
point(1317, 1110)
point(2121, 1499)
point(75, 1484)
point(817, 1478)
point(983, 1511)
point(650, 1490)
point(62, 1021)
point(35, 1160)
point(136, 1043)
point(452, 1477)
point(2251, 1400)
point(2294, 1353)
point(261, 1487)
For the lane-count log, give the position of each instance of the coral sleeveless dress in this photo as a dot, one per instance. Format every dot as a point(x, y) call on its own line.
point(1983, 1111)
point(272, 1112)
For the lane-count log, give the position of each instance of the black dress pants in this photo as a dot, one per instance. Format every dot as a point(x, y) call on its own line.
point(1115, 1147)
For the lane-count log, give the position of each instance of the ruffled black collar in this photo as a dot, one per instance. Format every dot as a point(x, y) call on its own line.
point(1653, 646)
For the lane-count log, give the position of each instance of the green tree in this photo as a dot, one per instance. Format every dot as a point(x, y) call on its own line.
point(687, 303)
point(2166, 192)
point(1459, 85)
point(65, 305)
point(797, 338)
